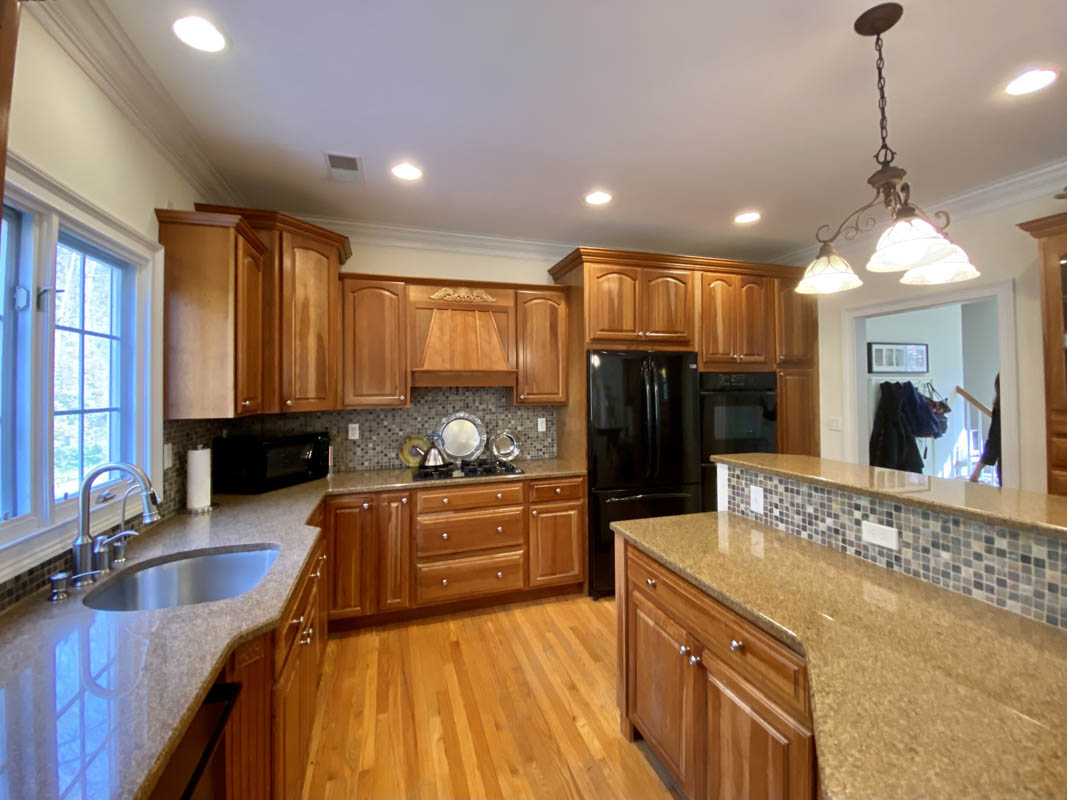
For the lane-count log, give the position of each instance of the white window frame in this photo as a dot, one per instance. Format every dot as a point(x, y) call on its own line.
point(49, 526)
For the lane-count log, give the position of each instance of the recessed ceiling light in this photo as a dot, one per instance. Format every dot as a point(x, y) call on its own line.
point(598, 198)
point(1033, 80)
point(407, 171)
point(747, 217)
point(200, 34)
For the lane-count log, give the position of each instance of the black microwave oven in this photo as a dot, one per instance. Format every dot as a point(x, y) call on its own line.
point(255, 464)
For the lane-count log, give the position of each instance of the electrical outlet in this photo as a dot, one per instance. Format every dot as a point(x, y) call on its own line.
point(541, 425)
point(881, 535)
point(353, 431)
point(755, 499)
point(168, 455)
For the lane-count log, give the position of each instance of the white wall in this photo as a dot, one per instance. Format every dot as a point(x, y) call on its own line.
point(941, 329)
point(67, 127)
point(1000, 251)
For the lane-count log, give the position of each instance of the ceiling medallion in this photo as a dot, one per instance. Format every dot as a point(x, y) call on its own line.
point(914, 243)
point(462, 295)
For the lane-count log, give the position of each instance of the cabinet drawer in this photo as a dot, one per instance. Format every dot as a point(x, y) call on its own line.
point(296, 619)
point(444, 581)
point(441, 534)
point(547, 491)
point(755, 655)
point(456, 498)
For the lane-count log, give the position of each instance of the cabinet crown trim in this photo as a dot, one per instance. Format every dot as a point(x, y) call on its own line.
point(284, 222)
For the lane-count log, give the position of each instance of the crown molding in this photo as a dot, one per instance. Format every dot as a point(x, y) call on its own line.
point(89, 33)
point(374, 233)
point(1014, 190)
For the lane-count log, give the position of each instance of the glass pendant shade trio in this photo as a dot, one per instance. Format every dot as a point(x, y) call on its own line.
point(912, 244)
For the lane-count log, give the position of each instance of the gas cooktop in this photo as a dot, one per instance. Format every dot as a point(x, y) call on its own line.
point(467, 469)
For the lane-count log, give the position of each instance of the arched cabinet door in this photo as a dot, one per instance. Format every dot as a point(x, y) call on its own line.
point(374, 350)
point(718, 323)
point(755, 320)
point(613, 303)
point(542, 343)
point(667, 306)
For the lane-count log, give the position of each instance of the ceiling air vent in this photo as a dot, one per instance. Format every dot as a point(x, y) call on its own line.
point(346, 169)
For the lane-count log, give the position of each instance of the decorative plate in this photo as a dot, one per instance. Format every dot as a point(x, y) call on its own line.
point(412, 449)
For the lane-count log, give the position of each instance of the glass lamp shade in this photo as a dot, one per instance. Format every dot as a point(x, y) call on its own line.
point(953, 269)
point(908, 243)
point(828, 274)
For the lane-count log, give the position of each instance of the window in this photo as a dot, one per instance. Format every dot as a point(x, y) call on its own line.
point(80, 382)
point(88, 390)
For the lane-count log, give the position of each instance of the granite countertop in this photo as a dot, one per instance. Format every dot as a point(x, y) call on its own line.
point(92, 703)
point(1011, 508)
point(916, 691)
point(375, 480)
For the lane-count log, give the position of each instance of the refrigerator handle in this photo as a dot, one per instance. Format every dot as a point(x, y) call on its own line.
point(655, 407)
point(649, 444)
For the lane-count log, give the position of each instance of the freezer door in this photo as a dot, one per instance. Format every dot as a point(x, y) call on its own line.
point(620, 419)
point(615, 506)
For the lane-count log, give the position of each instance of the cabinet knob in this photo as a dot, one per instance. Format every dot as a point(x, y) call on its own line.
point(444, 581)
point(522, 397)
point(736, 646)
point(246, 403)
point(683, 650)
point(288, 402)
point(500, 574)
point(401, 397)
point(298, 621)
point(366, 506)
point(444, 536)
point(640, 333)
point(404, 500)
point(694, 660)
point(559, 490)
point(444, 500)
point(534, 512)
point(499, 528)
point(499, 495)
point(651, 582)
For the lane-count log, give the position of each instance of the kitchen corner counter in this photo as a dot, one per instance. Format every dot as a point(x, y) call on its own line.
point(94, 702)
point(916, 691)
point(1016, 509)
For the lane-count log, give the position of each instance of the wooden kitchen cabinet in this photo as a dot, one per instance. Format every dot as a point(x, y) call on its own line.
point(213, 315)
point(294, 710)
point(247, 739)
point(798, 412)
point(374, 348)
point(737, 322)
point(796, 326)
point(352, 535)
point(301, 303)
point(541, 320)
point(394, 551)
point(667, 306)
point(639, 306)
point(556, 539)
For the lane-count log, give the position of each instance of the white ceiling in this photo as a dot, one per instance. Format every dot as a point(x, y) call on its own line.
point(688, 111)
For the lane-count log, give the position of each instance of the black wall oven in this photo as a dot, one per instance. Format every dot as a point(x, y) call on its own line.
point(738, 414)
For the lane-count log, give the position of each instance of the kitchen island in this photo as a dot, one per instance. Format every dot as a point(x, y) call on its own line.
point(914, 691)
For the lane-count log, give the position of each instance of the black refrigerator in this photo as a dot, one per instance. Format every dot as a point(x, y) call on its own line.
point(644, 446)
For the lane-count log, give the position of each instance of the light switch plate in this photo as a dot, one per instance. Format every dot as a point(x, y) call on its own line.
point(833, 423)
point(542, 426)
point(722, 487)
point(353, 430)
point(756, 499)
point(881, 535)
point(168, 455)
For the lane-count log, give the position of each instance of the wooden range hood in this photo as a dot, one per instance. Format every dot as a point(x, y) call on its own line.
point(462, 336)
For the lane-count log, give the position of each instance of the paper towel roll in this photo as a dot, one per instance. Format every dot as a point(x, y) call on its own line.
point(198, 479)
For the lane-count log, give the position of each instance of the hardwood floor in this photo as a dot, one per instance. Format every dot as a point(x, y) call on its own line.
point(514, 702)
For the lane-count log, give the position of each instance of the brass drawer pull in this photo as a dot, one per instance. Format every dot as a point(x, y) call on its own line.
point(651, 582)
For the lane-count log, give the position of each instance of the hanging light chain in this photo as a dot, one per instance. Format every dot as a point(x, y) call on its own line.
point(885, 154)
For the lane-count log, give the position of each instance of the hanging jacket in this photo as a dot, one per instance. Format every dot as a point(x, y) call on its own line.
point(917, 412)
point(892, 442)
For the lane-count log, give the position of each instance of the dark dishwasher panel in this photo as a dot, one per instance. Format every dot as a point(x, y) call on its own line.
point(606, 507)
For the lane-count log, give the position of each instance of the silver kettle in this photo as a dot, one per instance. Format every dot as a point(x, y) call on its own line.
point(434, 456)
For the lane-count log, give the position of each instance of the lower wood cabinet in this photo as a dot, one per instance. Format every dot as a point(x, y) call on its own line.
point(557, 535)
point(462, 578)
point(720, 703)
point(394, 551)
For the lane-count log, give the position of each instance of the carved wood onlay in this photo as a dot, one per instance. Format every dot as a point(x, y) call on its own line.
point(463, 294)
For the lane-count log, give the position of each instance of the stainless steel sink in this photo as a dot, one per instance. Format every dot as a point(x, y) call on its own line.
point(194, 576)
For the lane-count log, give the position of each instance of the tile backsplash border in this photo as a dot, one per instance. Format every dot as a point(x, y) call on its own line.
point(1021, 572)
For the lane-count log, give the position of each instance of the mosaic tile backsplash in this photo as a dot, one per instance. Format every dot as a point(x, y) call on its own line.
point(1021, 572)
point(381, 432)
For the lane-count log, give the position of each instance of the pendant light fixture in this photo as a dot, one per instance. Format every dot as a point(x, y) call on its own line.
point(913, 243)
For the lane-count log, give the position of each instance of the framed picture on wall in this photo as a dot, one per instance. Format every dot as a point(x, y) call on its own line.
point(897, 357)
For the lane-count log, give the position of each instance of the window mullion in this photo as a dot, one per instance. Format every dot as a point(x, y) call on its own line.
point(44, 331)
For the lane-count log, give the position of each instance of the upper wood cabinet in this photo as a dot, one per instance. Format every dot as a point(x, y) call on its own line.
point(462, 336)
point(796, 324)
point(374, 335)
point(541, 320)
point(301, 302)
point(639, 306)
point(212, 315)
point(736, 322)
point(1051, 234)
